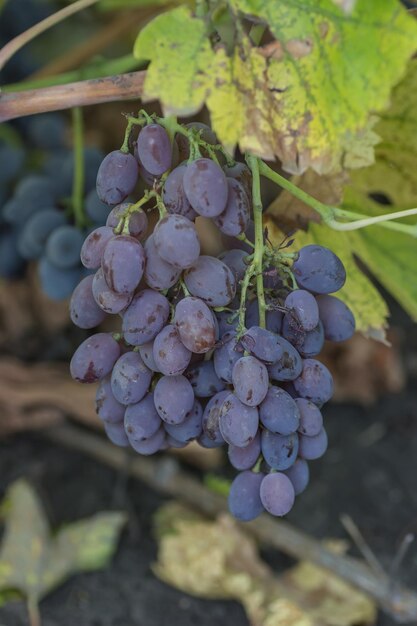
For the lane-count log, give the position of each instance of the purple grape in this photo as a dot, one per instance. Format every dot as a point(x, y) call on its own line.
point(228, 321)
point(262, 343)
point(159, 274)
point(311, 419)
point(137, 221)
point(63, 246)
point(238, 422)
point(241, 172)
point(170, 355)
point(116, 177)
point(195, 325)
point(312, 448)
point(277, 494)
point(205, 186)
point(84, 310)
point(235, 260)
point(279, 413)
point(107, 407)
point(174, 398)
point(308, 343)
point(289, 365)
point(154, 149)
point(211, 416)
point(245, 458)
point(130, 378)
point(226, 355)
point(151, 445)
point(337, 318)
point(141, 420)
point(123, 263)
point(94, 358)
point(299, 475)
point(303, 307)
point(146, 352)
point(319, 270)
point(244, 496)
point(190, 428)
point(145, 317)
point(204, 379)
point(176, 241)
point(93, 247)
point(108, 300)
point(211, 280)
point(273, 318)
point(173, 194)
point(250, 380)
point(279, 451)
point(234, 219)
point(315, 382)
point(116, 434)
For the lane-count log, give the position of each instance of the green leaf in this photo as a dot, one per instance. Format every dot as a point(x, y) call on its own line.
point(34, 562)
point(307, 97)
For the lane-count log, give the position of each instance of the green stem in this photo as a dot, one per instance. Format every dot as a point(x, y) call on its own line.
point(244, 289)
point(253, 163)
point(78, 180)
point(131, 123)
point(362, 222)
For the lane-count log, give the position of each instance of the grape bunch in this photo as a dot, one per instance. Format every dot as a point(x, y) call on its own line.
point(203, 353)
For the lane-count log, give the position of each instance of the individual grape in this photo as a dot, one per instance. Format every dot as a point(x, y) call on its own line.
point(146, 352)
point(116, 177)
point(273, 318)
point(319, 270)
point(238, 422)
point(32, 194)
point(173, 194)
point(262, 343)
point(108, 300)
point(311, 419)
point(235, 260)
point(84, 310)
point(211, 416)
point(299, 475)
point(154, 149)
point(312, 448)
point(141, 420)
point(93, 247)
point(337, 319)
point(170, 355)
point(250, 380)
point(206, 134)
point(211, 280)
point(36, 231)
point(116, 434)
point(244, 496)
point(277, 494)
point(146, 315)
point(303, 308)
point(234, 219)
point(279, 413)
point(315, 382)
point(123, 263)
point(176, 241)
point(137, 221)
point(226, 355)
point(245, 458)
point(130, 378)
point(195, 325)
point(205, 186)
point(308, 343)
point(174, 398)
point(241, 173)
point(159, 274)
point(279, 451)
point(190, 428)
point(94, 358)
point(204, 379)
point(63, 246)
point(289, 365)
point(107, 407)
point(96, 210)
point(57, 283)
point(151, 445)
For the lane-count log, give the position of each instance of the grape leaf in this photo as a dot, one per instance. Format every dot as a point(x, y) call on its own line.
point(307, 97)
point(34, 562)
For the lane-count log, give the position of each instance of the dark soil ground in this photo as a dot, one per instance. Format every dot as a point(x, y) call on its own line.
point(369, 472)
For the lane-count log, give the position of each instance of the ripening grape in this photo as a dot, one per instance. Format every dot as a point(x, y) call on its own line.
point(176, 241)
point(277, 494)
point(319, 270)
point(116, 177)
point(94, 358)
point(154, 149)
point(337, 319)
point(205, 186)
point(174, 398)
point(244, 496)
point(123, 263)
